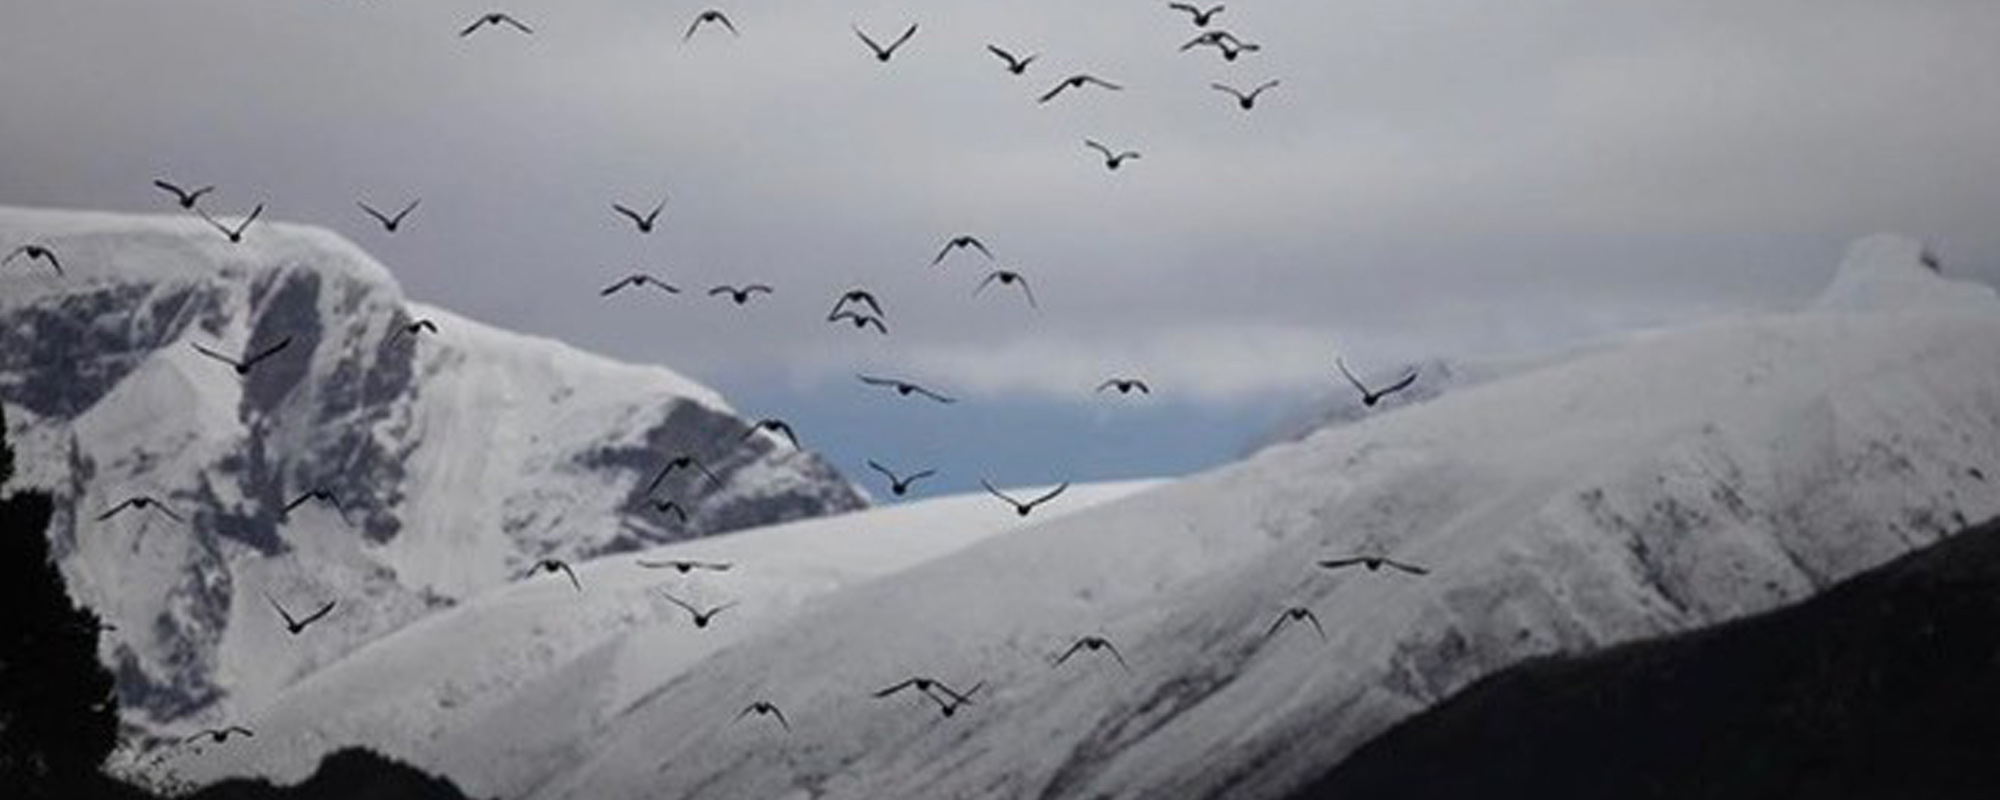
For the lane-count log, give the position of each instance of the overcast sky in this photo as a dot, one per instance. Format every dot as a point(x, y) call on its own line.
point(1448, 178)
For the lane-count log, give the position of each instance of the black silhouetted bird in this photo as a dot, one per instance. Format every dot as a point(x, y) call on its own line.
point(555, 565)
point(141, 503)
point(1126, 386)
point(390, 222)
point(1093, 644)
point(1009, 278)
point(764, 709)
point(1247, 101)
point(183, 197)
point(644, 221)
point(1112, 161)
point(904, 388)
point(1016, 66)
point(1296, 614)
point(861, 321)
point(1369, 397)
point(900, 486)
point(777, 426)
point(1202, 16)
point(1373, 564)
point(1224, 42)
point(298, 626)
point(960, 243)
point(671, 507)
point(638, 279)
point(413, 329)
point(858, 296)
point(218, 735)
point(684, 566)
point(706, 17)
point(235, 235)
point(701, 618)
point(681, 462)
point(741, 295)
point(948, 706)
point(1077, 82)
point(947, 698)
point(243, 365)
point(35, 252)
point(1021, 508)
point(495, 19)
point(323, 495)
point(882, 54)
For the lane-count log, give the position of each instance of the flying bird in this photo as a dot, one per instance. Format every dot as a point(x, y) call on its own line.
point(323, 495)
point(950, 705)
point(413, 329)
point(1224, 42)
point(859, 297)
point(701, 618)
point(1016, 66)
point(390, 222)
point(1093, 644)
point(495, 19)
point(555, 565)
point(639, 279)
point(681, 462)
point(882, 54)
point(1021, 508)
point(219, 735)
point(1112, 161)
point(1369, 397)
point(684, 566)
point(764, 709)
point(141, 503)
point(900, 486)
point(932, 688)
point(35, 252)
point(904, 388)
point(671, 507)
point(1296, 614)
point(1125, 386)
point(1009, 278)
point(242, 366)
point(960, 243)
point(185, 198)
point(643, 221)
point(861, 321)
point(741, 295)
point(235, 235)
point(297, 626)
point(777, 426)
point(1077, 82)
point(1373, 564)
point(1201, 16)
point(709, 16)
point(1247, 101)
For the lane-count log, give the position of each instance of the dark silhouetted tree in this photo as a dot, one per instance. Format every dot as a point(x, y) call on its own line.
point(58, 717)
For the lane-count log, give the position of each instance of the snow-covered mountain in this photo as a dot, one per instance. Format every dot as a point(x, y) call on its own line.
point(460, 457)
point(1664, 483)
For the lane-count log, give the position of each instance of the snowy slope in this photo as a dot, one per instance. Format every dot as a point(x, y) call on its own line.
point(460, 457)
point(450, 693)
point(1683, 478)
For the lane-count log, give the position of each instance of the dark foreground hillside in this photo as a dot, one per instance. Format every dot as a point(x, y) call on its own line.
point(1885, 686)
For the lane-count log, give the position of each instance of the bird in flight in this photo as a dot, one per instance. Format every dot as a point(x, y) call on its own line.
point(413, 329)
point(904, 388)
point(185, 198)
point(706, 17)
point(235, 235)
point(701, 618)
point(960, 243)
point(1125, 386)
point(1009, 278)
point(638, 279)
point(35, 252)
point(900, 486)
point(643, 221)
point(882, 54)
point(323, 495)
point(858, 297)
point(1112, 161)
point(1093, 644)
point(297, 626)
point(1224, 42)
point(141, 503)
point(947, 698)
point(1369, 397)
point(1373, 564)
point(242, 366)
point(764, 709)
point(1021, 508)
point(1078, 82)
point(671, 507)
point(1247, 101)
point(684, 567)
point(1296, 614)
point(777, 426)
point(495, 19)
point(681, 462)
point(1016, 66)
point(1202, 16)
point(861, 321)
point(555, 565)
point(741, 295)
point(390, 222)
point(218, 735)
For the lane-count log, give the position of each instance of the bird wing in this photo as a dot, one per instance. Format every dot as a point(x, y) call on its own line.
point(239, 729)
point(896, 688)
point(379, 217)
point(692, 26)
point(662, 285)
point(884, 470)
point(867, 41)
point(1027, 290)
point(1050, 496)
point(880, 326)
point(1342, 364)
point(713, 612)
point(1276, 624)
point(297, 501)
point(722, 290)
point(933, 395)
point(316, 615)
point(679, 512)
point(1142, 387)
point(1400, 385)
point(1051, 94)
point(1075, 646)
point(633, 215)
point(1314, 619)
point(873, 381)
point(1004, 55)
point(1409, 568)
point(724, 19)
point(114, 510)
point(398, 219)
point(903, 38)
point(1184, 7)
point(571, 573)
point(613, 288)
point(781, 718)
point(869, 299)
point(786, 429)
point(162, 508)
point(913, 478)
point(677, 601)
point(469, 29)
point(1101, 82)
point(249, 218)
point(1117, 655)
point(1340, 563)
point(990, 277)
point(289, 622)
point(997, 493)
point(269, 351)
point(758, 287)
point(1225, 88)
point(213, 354)
point(1270, 84)
point(974, 243)
point(517, 24)
point(1092, 144)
